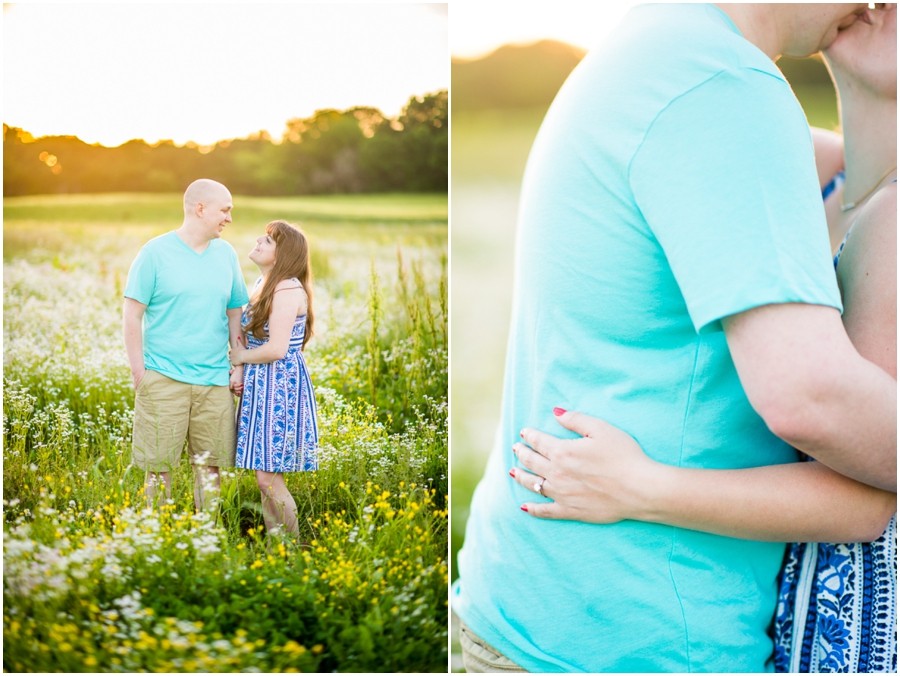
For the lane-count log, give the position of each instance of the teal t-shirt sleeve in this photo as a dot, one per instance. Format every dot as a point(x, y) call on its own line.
point(725, 178)
point(141, 278)
point(239, 296)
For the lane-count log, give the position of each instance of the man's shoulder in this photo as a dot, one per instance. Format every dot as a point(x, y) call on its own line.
point(159, 243)
point(222, 247)
point(682, 46)
point(154, 250)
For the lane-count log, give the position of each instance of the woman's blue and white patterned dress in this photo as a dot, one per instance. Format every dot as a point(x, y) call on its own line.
point(277, 430)
point(837, 605)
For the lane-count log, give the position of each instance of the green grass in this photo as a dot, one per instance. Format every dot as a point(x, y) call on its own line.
point(121, 222)
point(161, 207)
point(113, 588)
point(493, 145)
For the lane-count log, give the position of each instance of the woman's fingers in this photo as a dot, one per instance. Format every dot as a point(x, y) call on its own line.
point(580, 423)
point(543, 443)
point(544, 510)
point(532, 482)
point(531, 459)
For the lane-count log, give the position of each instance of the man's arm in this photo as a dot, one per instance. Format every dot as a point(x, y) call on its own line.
point(803, 376)
point(235, 334)
point(132, 314)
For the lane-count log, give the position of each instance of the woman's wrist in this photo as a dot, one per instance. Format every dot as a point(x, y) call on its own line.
point(652, 492)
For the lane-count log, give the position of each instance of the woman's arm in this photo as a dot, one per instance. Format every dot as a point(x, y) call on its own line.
point(287, 302)
point(605, 477)
point(829, 150)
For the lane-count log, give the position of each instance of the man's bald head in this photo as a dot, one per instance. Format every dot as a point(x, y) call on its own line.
point(207, 210)
point(204, 191)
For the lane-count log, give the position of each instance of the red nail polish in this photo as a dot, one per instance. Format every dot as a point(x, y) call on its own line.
point(512, 473)
point(524, 508)
point(558, 411)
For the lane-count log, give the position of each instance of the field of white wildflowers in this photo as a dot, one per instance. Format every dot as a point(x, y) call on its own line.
point(94, 580)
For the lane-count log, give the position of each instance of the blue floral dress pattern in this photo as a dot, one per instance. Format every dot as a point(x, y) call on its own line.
point(837, 605)
point(277, 429)
point(837, 609)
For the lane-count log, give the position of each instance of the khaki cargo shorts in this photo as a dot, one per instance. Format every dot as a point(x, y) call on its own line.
point(166, 411)
point(481, 658)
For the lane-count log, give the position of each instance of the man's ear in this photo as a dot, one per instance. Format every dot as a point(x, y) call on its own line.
point(199, 209)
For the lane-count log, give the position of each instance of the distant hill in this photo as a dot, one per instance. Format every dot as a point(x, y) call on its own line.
point(810, 72)
point(513, 76)
point(529, 76)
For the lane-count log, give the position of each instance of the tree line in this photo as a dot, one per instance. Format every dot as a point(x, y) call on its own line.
point(332, 151)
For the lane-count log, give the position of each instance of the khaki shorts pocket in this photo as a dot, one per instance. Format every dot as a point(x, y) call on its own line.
point(161, 414)
point(481, 658)
point(142, 380)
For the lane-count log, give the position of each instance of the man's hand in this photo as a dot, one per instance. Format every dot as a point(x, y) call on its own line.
point(132, 314)
point(137, 375)
point(236, 382)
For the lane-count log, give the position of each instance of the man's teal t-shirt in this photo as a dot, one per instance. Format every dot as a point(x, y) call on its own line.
point(671, 184)
point(185, 328)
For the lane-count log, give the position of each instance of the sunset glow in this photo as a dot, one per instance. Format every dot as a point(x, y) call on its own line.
point(480, 26)
point(108, 73)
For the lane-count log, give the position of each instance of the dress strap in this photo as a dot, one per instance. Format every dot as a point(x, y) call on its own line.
point(836, 182)
point(299, 286)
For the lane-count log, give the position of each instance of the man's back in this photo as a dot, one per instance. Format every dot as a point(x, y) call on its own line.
point(656, 201)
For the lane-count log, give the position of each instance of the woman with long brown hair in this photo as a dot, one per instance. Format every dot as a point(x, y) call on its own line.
point(277, 430)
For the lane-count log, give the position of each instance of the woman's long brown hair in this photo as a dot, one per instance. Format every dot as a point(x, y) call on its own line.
point(291, 260)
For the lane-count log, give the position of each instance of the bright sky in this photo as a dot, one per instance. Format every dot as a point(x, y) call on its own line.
point(111, 72)
point(478, 27)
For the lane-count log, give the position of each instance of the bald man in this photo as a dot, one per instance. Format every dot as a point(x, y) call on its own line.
point(182, 309)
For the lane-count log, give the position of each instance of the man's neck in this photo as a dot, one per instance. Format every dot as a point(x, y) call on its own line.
point(758, 25)
point(192, 236)
point(870, 139)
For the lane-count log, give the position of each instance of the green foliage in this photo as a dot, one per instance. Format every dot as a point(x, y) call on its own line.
point(121, 589)
point(351, 151)
point(95, 581)
point(397, 359)
point(413, 149)
point(513, 76)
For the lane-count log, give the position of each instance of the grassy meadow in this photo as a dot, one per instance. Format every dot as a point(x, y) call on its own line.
point(96, 581)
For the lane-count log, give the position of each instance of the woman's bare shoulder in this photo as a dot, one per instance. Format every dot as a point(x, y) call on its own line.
point(883, 205)
point(289, 285)
point(868, 277)
point(876, 224)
